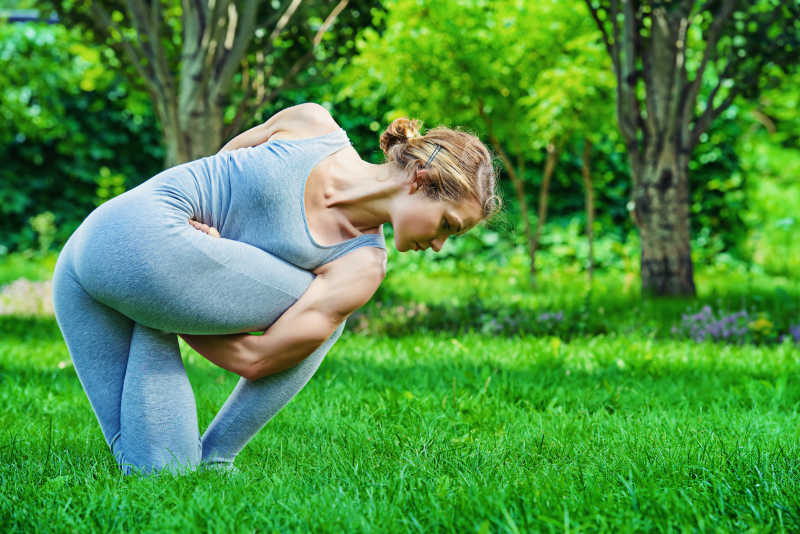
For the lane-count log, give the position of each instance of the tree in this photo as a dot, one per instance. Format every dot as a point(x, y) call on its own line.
point(570, 99)
point(210, 66)
point(679, 65)
point(520, 73)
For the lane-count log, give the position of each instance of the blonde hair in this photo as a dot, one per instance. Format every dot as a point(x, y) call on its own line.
point(462, 169)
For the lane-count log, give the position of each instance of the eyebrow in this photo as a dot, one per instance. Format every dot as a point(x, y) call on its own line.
point(460, 225)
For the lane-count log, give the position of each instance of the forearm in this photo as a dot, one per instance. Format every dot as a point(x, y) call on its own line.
point(300, 329)
point(224, 350)
point(289, 340)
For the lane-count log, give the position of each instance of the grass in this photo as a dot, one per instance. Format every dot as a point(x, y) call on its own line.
point(624, 429)
point(28, 265)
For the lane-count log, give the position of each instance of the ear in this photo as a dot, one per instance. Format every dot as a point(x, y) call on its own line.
point(417, 180)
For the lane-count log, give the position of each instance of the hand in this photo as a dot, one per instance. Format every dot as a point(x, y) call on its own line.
point(210, 230)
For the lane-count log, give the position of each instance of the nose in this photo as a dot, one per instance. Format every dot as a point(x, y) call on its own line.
point(437, 244)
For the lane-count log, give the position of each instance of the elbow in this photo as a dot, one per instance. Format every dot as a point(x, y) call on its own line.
point(248, 372)
point(288, 356)
point(253, 371)
point(252, 366)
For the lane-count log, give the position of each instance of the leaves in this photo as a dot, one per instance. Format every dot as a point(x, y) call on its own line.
point(63, 117)
point(536, 67)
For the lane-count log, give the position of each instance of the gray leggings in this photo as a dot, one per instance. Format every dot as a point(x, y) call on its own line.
point(121, 293)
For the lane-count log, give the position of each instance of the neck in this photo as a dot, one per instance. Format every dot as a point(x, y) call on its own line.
point(363, 193)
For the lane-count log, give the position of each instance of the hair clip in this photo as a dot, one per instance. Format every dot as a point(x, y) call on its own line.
point(433, 155)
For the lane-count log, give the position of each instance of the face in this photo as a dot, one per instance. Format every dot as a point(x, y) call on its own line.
point(422, 223)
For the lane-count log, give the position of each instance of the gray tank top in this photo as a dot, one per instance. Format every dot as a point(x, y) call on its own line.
point(255, 195)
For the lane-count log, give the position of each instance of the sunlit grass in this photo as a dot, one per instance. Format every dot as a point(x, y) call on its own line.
point(623, 430)
point(26, 265)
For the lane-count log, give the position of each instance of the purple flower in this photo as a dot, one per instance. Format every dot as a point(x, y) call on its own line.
point(795, 332)
point(704, 325)
point(547, 316)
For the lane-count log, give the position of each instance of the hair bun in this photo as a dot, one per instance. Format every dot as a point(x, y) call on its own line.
point(400, 131)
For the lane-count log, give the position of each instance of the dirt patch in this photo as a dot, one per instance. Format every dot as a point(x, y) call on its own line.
point(25, 297)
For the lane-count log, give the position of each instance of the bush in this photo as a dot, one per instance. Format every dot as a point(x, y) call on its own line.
point(63, 119)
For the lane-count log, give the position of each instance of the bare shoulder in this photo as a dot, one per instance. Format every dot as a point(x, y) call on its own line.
point(302, 121)
point(351, 280)
point(367, 264)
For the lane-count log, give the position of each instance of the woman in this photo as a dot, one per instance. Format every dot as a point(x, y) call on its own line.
point(298, 214)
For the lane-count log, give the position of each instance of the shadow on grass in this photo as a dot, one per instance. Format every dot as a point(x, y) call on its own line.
point(28, 327)
point(391, 313)
point(609, 387)
point(395, 315)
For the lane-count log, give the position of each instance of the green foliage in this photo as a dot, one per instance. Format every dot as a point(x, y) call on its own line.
point(63, 118)
point(109, 185)
point(447, 62)
point(74, 134)
point(771, 159)
point(541, 74)
point(44, 226)
point(718, 187)
point(26, 264)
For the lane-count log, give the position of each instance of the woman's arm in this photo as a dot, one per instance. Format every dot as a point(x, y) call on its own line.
point(341, 287)
point(293, 119)
point(224, 350)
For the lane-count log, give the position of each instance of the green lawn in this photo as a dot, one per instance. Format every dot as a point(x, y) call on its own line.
point(609, 426)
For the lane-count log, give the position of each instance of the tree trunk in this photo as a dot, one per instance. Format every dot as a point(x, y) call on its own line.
point(661, 211)
point(198, 133)
point(518, 185)
point(516, 179)
point(191, 132)
point(544, 191)
point(589, 195)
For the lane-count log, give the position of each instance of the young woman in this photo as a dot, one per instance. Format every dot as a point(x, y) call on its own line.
point(291, 244)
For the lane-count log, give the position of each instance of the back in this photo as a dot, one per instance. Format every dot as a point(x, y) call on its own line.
point(255, 195)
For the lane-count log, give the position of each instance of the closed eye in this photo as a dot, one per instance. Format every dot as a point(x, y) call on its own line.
point(446, 225)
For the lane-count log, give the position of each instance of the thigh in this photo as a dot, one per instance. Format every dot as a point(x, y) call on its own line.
point(98, 340)
point(174, 278)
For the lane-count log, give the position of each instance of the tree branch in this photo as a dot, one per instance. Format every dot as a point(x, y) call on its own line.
point(606, 39)
point(234, 48)
point(281, 25)
point(677, 69)
point(135, 56)
point(715, 32)
point(245, 106)
point(328, 22)
point(732, 70)
point(630, 114)
point(195, 28)
point(647, 126)
point(152, 45)
point(219, 22)
point(711, 113)
point(261, 77)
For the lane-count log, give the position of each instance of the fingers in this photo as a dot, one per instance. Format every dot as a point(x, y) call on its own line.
point(210, 230)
